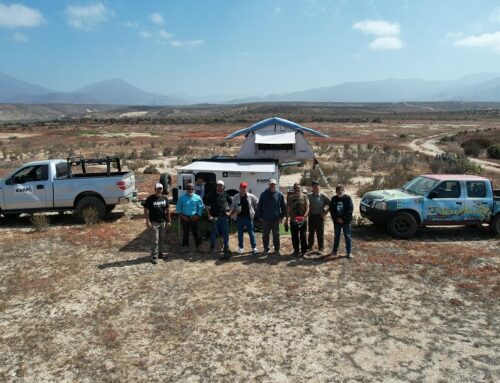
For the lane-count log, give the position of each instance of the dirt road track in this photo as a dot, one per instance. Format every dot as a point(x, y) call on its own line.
point(428, 145)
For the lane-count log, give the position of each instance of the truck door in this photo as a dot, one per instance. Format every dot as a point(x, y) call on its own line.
point(27, 188)
point(478, 206)
point(183, 179)
point(444, 204)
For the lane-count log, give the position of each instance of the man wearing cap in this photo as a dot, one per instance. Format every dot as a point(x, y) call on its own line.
point(271, 210)
point(217, 206)
point(319, 205)
point(341, 208)
point(190, 208)
point(298, 210)
point(157, 213)
point(243, 209)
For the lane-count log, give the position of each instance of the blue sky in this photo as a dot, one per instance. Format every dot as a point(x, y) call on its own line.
point(245, 47)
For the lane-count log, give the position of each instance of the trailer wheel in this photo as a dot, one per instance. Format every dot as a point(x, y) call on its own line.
point(495, 225)
point(402, 225)
point(165, 180)
point(90, 210)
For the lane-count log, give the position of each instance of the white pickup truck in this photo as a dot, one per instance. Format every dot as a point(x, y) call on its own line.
point(55, 185)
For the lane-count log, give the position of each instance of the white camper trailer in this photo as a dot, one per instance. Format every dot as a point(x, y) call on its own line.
point(256, 173)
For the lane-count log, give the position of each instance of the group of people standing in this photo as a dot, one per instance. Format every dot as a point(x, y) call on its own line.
point(298, 212)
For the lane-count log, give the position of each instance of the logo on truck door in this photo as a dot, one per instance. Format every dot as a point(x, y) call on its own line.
point(24, 189)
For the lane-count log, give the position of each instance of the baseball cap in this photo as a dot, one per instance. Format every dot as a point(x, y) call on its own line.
point(219, 182)
point(243, 185)
point(158, 186)
point(272, 181)
point(315, 182)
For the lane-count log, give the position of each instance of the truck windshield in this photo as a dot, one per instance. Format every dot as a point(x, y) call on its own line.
point(420, 185)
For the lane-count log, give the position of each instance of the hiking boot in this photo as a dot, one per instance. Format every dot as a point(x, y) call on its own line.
point(296, 253)
point(161, 256)
point(349, 256)
point(153, 260)
point(255, 251)
point(224, 257)
point(240, 250)
point(277, 252)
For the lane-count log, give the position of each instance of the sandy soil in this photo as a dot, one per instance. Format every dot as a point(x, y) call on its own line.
point(84, 304)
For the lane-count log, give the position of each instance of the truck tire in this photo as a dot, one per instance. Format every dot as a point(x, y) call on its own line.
point(11, 217)
point(83, 210)
point(402, 225)
point(495, 225)
point(110, 208)
point(165, 181)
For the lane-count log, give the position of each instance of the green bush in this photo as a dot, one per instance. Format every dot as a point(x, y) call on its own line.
point(151, 169)
point(475, 146)
point(494, 151)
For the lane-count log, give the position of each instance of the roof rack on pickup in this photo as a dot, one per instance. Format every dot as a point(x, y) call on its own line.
point(81, 161)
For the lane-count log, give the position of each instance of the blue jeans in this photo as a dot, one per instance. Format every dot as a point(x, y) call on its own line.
point(346, 227)
point(220, 227)
point(247, 222)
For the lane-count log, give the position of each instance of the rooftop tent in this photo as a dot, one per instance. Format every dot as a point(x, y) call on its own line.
point(276, 138)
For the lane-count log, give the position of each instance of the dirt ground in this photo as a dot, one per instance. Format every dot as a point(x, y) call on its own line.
point(83, 303)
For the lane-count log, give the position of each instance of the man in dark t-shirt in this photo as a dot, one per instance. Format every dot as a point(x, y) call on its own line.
point(157, 213)
point(217, 205)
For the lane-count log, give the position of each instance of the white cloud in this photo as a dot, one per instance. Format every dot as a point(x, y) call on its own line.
point(485, 40)
point(377, 27)
point(19, 38)
point(19, 16)
point(131, 24)
point(164, 34)
point(186, 44)
point(156, 18)
point(145, 34)
point(386, 43)
point(87, 17)
point(495, 16)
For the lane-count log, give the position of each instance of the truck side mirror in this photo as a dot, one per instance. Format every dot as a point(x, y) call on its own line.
point(432, 194)
point(8, 181)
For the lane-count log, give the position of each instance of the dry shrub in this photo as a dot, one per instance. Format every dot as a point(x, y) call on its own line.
point(110, 337)
point(40, 222)
point(90, 216)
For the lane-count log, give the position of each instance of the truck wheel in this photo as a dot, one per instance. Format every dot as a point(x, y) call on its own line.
point(11, 217)
point(90, 210)
point(402, 225)
point(110, 208)
point(495, 225)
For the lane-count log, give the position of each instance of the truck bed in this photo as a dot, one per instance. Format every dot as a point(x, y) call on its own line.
point(92, 175)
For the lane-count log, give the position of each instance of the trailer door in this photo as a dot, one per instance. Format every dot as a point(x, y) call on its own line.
point(183, 179)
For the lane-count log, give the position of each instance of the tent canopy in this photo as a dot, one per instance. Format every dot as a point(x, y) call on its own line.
point(275, 121)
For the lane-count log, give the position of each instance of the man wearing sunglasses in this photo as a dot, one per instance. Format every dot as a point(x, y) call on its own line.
point(190, 208)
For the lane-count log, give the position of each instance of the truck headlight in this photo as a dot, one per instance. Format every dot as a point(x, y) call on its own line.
point(381, 205)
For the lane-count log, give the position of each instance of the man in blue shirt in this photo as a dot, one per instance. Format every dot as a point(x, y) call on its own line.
point(190, 208)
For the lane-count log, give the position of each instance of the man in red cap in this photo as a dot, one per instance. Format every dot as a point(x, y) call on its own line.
point(243, 210)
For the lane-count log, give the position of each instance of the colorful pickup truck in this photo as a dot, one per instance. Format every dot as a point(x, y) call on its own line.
point(434, 199)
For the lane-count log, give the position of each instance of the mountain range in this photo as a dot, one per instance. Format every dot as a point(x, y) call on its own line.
point(483, 87)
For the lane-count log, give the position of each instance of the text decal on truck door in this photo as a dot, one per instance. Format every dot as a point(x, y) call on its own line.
point(24, 189)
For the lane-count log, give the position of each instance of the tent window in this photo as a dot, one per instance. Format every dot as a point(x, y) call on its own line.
point(274, 146)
